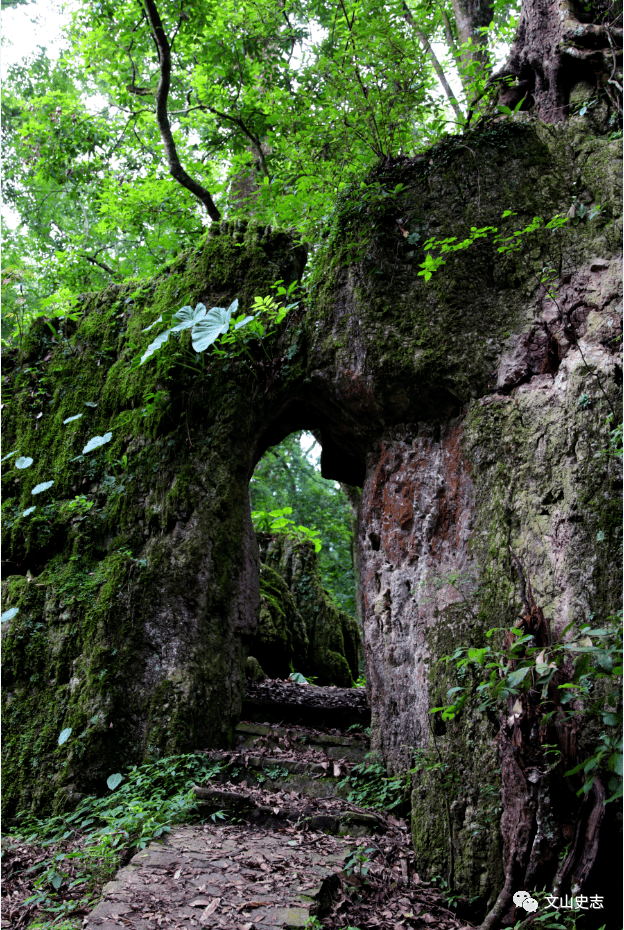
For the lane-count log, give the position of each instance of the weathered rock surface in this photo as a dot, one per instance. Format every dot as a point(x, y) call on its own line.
point(300, 626)
point(471, 410)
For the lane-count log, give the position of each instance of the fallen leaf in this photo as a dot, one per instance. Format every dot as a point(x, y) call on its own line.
point(201, 902)
point(210, 910)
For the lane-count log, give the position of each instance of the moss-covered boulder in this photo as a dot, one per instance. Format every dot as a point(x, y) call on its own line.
point(281, 642)
point(300, 625)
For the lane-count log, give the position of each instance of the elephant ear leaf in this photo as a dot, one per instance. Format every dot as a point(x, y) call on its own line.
point(155, 345)
point(96, 441)
point(40, 488)
point(208, 330)
point(113, 781)
point(188, 317)
point(64, 735)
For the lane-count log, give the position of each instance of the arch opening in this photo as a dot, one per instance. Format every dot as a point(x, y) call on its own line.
point(306, 532)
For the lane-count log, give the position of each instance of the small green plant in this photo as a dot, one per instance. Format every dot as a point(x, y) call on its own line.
point(313, 923)
point(370, 786)
point(79, 507)
point(510, 243)
point(359, 862)
point(359, 728)
point(616, 437)
point(276, 771)
point(276, 521)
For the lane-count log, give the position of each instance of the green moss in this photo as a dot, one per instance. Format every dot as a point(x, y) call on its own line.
point(132, 651)
point(334, 651)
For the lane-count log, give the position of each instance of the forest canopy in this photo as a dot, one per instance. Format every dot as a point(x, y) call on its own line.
point(157, 117)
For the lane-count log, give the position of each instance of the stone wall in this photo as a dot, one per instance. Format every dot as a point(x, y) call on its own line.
point(471, 409)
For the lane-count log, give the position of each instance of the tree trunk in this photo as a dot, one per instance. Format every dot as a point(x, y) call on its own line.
point(470, 17)
point(555, 49)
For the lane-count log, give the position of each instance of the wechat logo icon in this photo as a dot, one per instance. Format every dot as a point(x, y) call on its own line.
point(524, 899)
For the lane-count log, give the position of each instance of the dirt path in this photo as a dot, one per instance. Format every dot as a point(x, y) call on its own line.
point(290, 848)
point(227, 876)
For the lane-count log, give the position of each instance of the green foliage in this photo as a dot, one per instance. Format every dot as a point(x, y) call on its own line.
point(276, 771)
point(616, 435)
point(140, 807)
point(595, 654)
point(503, 243)
point(235, 335)
point(359, 861)
point(370, 786)
point(277, 522)
point(287, 480)
point(276, 109)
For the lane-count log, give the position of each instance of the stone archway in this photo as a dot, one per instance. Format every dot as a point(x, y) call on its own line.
point(455, 404)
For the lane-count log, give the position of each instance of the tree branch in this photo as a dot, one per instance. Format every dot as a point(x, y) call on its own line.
point(437, 67)
point(175, 167)
point(101, 265)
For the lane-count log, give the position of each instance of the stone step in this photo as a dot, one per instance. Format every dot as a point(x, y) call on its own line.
point(313, 779)
point(279, 702)
point(336, 821)
point(231, 877)
point(352, 748)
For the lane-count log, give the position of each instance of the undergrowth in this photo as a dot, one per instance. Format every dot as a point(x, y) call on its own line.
point(64, 860)
point(370, 786)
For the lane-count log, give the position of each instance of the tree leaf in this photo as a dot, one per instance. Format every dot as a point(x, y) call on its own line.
point(8, 456)
point(96, 441)
point(90, 403)
point(210, 328)
point(28, 511)
point(517, 677)
point(188, 317)
point(57, 881)
point(23, 462)
point(64, 735)
point(155, 345)
point(113, 781)
point(71, 419)
point(9, 614)
point(40, 488)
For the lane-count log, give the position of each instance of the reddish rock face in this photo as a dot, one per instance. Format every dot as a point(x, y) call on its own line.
point(415, 525)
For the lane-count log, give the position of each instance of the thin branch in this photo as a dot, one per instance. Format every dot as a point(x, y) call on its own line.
point(175, 167)
point(448, 32)
point(101, 265)
point(437, 67)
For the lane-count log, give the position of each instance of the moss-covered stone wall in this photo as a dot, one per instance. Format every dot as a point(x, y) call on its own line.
point(470, 408)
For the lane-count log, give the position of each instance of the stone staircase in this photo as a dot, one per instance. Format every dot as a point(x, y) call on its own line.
point(279, 835)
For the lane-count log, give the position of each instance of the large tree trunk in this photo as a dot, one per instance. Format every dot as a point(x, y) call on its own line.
point(556, 47)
